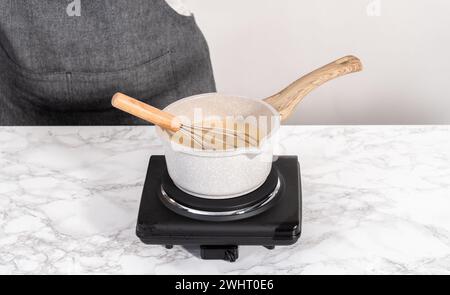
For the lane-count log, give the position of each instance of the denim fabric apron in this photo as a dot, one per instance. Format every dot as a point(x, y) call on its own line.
point(60, 68)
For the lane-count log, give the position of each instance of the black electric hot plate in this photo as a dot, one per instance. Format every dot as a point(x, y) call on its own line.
point(268, 216)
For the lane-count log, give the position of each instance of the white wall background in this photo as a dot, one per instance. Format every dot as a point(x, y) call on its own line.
point(260, 46)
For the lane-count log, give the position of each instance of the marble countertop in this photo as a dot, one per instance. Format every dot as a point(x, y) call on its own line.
point(376, 200)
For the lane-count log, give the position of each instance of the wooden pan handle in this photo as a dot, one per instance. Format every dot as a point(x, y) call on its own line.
point(145, 112)
point(286, 100)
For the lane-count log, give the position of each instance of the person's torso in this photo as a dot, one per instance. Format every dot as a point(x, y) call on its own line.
point(72, 59)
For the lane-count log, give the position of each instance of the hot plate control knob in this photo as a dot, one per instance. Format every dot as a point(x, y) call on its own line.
point(228, 252)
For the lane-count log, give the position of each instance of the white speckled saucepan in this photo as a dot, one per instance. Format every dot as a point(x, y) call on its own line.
point(232, 173)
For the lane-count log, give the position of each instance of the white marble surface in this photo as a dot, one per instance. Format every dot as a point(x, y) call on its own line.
point(376, 201)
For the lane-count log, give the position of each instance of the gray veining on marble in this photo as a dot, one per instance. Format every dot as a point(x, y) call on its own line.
point(376, 201)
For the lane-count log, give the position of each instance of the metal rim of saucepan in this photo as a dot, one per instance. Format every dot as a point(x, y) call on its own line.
point(266, 141)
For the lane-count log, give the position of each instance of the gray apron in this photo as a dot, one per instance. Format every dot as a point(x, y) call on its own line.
point(57, 69)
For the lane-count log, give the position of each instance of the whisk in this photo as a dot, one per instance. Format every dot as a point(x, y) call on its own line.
point(205, 137)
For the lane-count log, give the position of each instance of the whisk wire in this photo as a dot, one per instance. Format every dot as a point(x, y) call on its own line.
point(246, 136)
point(198, 135)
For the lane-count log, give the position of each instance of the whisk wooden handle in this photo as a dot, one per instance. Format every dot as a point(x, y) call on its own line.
point(145, 112)
point(286, 100)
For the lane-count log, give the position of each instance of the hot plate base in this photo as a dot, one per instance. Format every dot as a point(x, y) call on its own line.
point(278, 225)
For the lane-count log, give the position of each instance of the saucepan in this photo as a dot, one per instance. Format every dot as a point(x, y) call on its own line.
point(222, 174)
